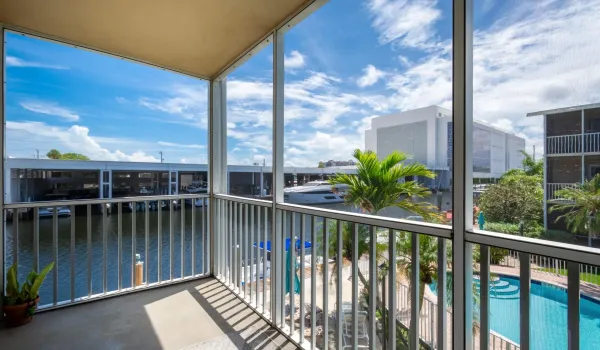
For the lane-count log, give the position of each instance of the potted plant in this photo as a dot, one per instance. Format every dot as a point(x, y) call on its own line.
point(20, 301)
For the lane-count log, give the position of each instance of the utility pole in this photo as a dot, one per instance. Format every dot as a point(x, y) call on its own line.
point(161, 156)
point(37, 154)
point(534, 153)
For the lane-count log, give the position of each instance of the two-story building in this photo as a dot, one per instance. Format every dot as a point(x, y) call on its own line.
point(572, 150)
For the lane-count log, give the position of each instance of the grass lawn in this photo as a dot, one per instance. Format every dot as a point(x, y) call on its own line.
point(583, 276)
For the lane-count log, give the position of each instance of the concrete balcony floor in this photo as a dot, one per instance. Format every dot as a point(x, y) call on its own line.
point(195, 315)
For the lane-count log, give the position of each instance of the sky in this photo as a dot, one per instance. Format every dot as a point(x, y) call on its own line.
point(350, 61)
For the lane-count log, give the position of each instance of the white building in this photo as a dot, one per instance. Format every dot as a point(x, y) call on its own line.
point(426, 135)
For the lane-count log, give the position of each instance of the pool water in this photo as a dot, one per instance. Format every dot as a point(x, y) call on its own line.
point(548, 314)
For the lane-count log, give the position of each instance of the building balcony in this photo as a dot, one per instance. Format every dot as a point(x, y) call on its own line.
point(573, 144)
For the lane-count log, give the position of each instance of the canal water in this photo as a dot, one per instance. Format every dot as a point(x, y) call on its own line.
point(63, 263)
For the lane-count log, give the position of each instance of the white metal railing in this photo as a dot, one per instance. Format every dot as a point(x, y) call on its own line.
point(332, 298)
point(564, 144)
point(552, 188)
point(106, 247)
point(591, 142)
point(548, 265)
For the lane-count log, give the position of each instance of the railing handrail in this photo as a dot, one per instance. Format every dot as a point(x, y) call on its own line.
point(68, 202)
point(377, 221)
point(245, 200)
point(498, 335)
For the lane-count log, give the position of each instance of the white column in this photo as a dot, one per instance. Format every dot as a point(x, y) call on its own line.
point(277, 182)
point(217, 157)
point(462, 179)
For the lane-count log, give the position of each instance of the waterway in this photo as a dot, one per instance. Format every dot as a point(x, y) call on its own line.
point(192, 238)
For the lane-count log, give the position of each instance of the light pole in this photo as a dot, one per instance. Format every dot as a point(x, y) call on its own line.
point(161, 156)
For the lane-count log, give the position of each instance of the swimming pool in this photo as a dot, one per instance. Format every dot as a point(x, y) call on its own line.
point(548, 314)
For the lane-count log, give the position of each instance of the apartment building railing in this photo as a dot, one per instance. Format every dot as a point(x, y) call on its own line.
point(107, 247)
point(331, 303)
point(577, 143)
point(553, 188)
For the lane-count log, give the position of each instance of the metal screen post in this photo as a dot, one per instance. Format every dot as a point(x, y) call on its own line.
point(2, 121)
point(462, 167)
point(277, 186)
point(217, 166)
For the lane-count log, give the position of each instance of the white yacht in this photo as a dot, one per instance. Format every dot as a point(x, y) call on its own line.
point(197, 187)
point(49, 212)
point(315, 192)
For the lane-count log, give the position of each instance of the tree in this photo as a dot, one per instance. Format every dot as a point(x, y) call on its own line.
point(381, 184)
point(55, 154)
point(378, 185)
point(321, 165)
point(516, 197)
point(580, 207)
point(531, 167)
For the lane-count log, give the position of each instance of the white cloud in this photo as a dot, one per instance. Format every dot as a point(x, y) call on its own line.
point(408, 23)
point(187, 102)
point(371, 75)
point(50, 109)
point(73, 139)
point(180, 145)
point(294, 60)
point(12, 61)
point(121, 99)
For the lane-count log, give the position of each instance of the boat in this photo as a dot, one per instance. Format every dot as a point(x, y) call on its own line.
point(145, 191)
point(197, 187)
point(315, 192)
point(49, 212)
point(198, 202)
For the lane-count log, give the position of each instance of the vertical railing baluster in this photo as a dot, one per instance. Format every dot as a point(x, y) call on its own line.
point(313, 283)
point(326, 284)
point(415, 311)
point(252, 264)
point(182, 214)
point(441, 292)
point(104, 249)
point(146, 241)
point(159, 229)
point(255, 234)
point(220, 238)
point(133, 243)
point(339, 262)
point(193, 209)
point(354, 285)
point(230, 245)
point(36, 238)
point(55, 255)
point(292, 264)
point(302, 279)
point(484, 292)
point(171, 242)
point(392, 287)
point(525, 287)
point(282, 246)
point(573, 305)
point(15, 238)
point(119, 245)
point(245, 243)
point(72, 253)
point(237, 262)
point(204, 221)
point(264, 282)
point(373, 297)
point(89, 249)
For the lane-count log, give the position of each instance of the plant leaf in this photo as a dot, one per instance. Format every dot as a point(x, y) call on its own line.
point(12, 285)
point(35, 287)
point(31, 277)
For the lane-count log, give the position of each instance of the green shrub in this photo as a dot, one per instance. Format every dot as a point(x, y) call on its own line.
point(530, 229)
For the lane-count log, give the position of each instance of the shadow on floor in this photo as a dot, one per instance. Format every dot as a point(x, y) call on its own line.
point(195, 315)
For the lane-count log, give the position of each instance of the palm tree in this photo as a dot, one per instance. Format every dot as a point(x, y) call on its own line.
point(378, 185)
point(381, 184)
point(580, 207)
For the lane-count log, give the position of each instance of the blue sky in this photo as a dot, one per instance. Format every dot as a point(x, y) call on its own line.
point(348, 62)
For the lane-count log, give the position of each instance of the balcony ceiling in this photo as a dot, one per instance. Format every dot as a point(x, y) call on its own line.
point(196, 37)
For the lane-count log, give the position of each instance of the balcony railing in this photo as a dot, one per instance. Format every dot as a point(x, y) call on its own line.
point(553, 188)
point(563, 144)
point(106, 247)
point(572, 144)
